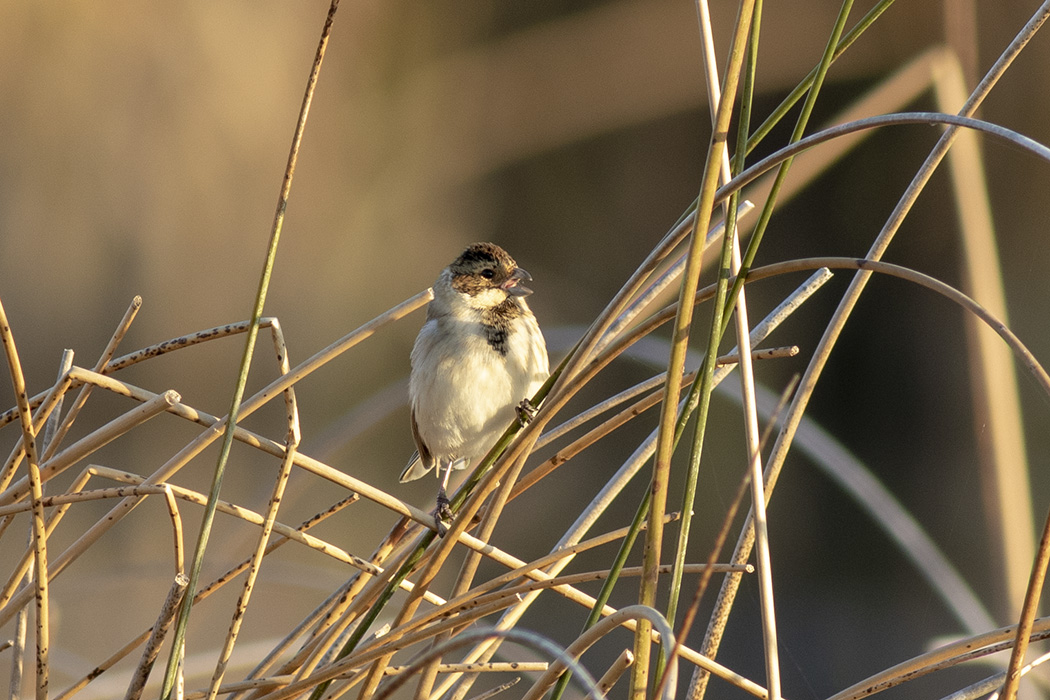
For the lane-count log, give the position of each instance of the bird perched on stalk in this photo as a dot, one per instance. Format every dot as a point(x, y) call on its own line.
point(477, 360)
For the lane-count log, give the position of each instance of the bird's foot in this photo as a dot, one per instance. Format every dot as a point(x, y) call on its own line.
point(443, 513)
point(525, 412)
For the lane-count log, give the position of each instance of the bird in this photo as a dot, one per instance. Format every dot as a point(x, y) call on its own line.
point(476, 362)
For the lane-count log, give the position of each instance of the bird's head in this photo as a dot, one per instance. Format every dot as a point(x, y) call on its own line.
point(487, 276)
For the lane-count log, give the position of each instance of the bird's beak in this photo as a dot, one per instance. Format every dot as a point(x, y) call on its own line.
point(513, 287)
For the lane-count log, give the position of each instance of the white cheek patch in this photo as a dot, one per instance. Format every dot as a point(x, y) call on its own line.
point(487, 298)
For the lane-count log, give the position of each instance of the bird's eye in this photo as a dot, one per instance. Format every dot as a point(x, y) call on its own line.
point(488, 273)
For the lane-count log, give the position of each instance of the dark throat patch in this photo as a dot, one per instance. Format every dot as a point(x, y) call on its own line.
point(496, 322)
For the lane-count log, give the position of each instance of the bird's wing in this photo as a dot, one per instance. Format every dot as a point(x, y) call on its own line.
point(422, 461)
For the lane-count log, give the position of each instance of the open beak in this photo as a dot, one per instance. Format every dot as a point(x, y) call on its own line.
point(513, 284)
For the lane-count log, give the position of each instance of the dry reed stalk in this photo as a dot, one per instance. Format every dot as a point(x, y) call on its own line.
point(747, 379)
point(291, 444)
point(39, 528)
point(946, 656)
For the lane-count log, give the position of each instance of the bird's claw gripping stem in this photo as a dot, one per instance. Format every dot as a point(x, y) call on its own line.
point(525, 411)
point(443, 513)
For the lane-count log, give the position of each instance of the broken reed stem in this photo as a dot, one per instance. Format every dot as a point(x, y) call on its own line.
point(160, 629)
point(615, 671)
point(179, 557)
point(760, 354)
point(183, 341)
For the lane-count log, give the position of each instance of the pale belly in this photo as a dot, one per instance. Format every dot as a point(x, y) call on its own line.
point(465, 395)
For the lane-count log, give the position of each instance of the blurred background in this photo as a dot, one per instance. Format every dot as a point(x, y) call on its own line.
point(142, 152)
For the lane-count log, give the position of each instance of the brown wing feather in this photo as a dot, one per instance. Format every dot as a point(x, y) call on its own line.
point(422, 461)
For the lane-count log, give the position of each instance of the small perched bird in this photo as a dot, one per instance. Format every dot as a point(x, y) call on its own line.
point(477, 360)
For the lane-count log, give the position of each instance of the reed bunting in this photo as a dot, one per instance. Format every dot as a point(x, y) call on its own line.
point(478, 358)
